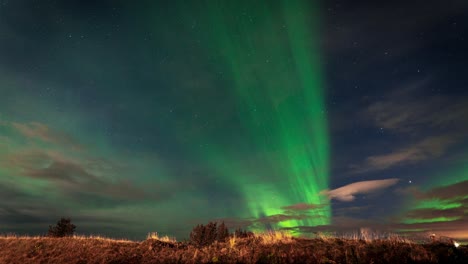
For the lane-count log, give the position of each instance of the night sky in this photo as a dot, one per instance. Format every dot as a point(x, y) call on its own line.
point(133, 117)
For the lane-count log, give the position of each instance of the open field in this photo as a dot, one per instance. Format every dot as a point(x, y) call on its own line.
point(266, 248)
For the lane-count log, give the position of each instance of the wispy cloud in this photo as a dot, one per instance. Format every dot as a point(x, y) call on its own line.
point(428, 148)
point(449, 192)
point(71, 176)
point(431, 213)
point(404, 113)
point(442, 210)
point(450, 201)
point(282, 217)
point(348, 192)
point(342, 223)
point(37, 130)
point(302, 207)
point(408, 116)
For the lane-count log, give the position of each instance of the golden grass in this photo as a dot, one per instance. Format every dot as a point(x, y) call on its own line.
point(76, 237)
point(273, 237)
point(270, 247)
point(155, 235)
point(232, 242)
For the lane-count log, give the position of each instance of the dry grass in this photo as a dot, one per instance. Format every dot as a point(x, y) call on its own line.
point(155, 235)
point(271, 237)
point(261, 248)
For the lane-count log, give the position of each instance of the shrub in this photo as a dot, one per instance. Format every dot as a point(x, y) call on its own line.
point(243, 233)
point(205, 235)
point(222, 233)
point(63, 228)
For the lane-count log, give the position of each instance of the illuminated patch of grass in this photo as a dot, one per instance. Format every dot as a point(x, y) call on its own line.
point(155, 235)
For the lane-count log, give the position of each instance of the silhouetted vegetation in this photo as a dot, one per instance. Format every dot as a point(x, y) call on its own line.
point(243, 233)
point(63, 228)
point(203, 235)
point(223, 233)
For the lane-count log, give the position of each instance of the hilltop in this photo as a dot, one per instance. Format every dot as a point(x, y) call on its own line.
point(260, 248)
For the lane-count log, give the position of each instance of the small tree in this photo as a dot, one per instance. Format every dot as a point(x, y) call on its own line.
point(243, 233)
point(211, 232)
point(205, 235)
point(222, 233)
point(63, 228)
point(197, 236)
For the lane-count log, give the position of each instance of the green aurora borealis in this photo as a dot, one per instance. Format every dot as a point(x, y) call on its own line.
point(442, 205)
point(280, 104)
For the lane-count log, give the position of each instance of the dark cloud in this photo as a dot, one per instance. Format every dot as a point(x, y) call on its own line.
point(426, 149)
point(351, 210)
point(23, 213)
point(428, 125)
point(339, 224)
point(20, 210)
point(37, 130)
point(410, 116)
point(302, 207)
point(434, 213)
point(74, 179)
point(454, 194)
point(454, 226)
point(450, 192)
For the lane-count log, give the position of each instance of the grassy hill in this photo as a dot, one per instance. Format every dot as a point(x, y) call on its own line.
point(263, 248)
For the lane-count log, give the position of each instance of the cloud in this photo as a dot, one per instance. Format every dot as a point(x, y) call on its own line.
point(351, 226)
point(453, 197)
point(430, 213)
point(430, 217)
point(348, 192)
point(282, 217)
point(339, 225)
point(73, 178)
point(410, 116)
point(36, 130)
point(19, 208)
point(343, 224)
point(302, 207)
point(428, 148)
point(408, 112)
point(450, 192)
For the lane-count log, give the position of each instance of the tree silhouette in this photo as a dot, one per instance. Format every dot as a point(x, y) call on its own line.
point(205, 235)
point(63, 228)
point(222, 233)
point(243, 233)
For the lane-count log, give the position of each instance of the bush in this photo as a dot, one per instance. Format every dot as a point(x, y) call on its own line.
point(205, 235)
point(243, 233)
point(222, 233)
point(63, 228)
